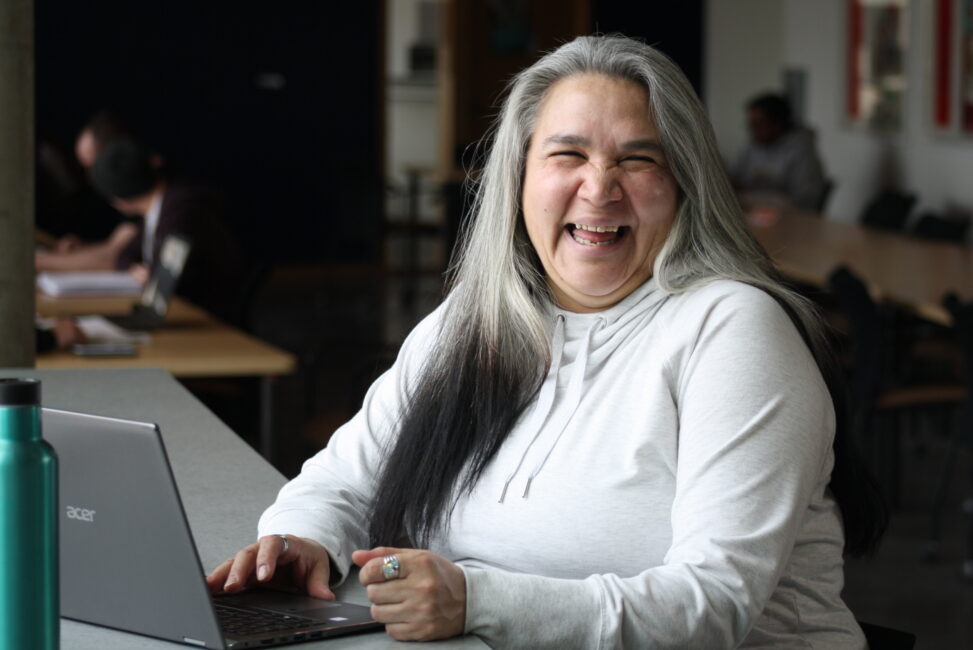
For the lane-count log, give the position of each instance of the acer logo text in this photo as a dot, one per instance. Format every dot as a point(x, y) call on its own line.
point(81, 514)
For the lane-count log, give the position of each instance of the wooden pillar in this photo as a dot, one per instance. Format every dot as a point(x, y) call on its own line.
point(17, 336)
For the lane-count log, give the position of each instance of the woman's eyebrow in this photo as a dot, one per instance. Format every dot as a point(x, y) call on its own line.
point(642, 145)
point(566, 139)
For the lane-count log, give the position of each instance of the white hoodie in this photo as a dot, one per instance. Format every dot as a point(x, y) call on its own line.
point(666, 488)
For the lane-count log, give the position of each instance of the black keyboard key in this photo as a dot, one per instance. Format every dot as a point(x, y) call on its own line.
point(243, 622)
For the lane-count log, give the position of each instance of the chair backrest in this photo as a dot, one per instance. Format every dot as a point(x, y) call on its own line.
point(934, 226)
point(879, 637)
point(962, 314)
point(888, 210)
point(867, 332)
point(826, 191)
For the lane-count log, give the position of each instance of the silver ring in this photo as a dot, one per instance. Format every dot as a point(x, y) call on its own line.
point(390, 567)
point(287, 544)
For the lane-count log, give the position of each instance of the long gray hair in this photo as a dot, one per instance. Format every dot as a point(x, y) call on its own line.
point(492, 351)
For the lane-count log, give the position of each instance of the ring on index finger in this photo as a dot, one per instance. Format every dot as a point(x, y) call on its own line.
point(390, 567)
point(287, 544)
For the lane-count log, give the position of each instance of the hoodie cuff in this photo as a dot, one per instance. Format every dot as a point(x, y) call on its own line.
point(518, 610)
point(298, 524)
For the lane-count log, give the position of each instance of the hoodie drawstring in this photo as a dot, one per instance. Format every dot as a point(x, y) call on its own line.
point(545, 400)
point(573, 398)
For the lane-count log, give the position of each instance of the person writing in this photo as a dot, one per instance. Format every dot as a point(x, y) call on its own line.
point(90, 212)
point(128, 174)
point(615, 431)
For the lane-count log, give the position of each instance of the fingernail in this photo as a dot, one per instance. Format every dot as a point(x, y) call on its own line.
point(230, 582)
point(262, 572)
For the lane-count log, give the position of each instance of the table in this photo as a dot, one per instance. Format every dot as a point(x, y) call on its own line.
point(224, 484)
point(909, 272)
point(192, 344)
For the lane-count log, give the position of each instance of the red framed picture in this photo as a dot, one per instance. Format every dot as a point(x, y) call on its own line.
point(952, 95)
point(966, 66)
point(878, 32)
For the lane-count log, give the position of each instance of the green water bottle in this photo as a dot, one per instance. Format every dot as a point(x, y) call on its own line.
point(29, 605)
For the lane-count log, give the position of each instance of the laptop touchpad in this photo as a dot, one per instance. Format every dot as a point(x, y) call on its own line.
point(285, 603)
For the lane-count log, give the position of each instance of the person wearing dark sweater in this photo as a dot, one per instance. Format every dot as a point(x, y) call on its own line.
point(160, 206)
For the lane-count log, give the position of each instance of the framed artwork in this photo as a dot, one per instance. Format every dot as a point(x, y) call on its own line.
point(966, 67)
point(878, 32)
point(942, 109)
point(952, 92)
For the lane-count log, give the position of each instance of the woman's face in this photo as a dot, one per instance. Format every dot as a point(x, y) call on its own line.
point(598, 198)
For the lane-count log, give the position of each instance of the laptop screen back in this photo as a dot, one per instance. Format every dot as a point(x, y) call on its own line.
point(127, 558)
point(165, 275)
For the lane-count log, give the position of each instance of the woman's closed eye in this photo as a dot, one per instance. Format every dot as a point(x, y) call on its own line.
point(632, 162)
point(640, 159)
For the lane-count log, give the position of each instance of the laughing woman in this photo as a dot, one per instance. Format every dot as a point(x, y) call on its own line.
point(616, 429)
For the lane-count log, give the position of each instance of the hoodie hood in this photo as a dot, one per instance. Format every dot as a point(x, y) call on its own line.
point(580, 343)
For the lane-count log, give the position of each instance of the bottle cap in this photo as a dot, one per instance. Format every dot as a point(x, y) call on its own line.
point(20, 392)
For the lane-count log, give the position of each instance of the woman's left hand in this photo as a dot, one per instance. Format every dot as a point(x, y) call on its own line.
point(428, 599)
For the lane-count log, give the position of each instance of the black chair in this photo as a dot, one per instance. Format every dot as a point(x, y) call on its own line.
point(962, 436)
point(826, 192)
point(251, 283)
point(879, 379)
point(886, 638)
point(888, 210)
point(936, 227)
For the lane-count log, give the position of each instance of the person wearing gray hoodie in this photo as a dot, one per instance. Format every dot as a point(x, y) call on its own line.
point(619, 428)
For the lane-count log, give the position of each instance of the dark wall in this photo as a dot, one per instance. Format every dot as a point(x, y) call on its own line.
point(676, 28)
point(301, 163)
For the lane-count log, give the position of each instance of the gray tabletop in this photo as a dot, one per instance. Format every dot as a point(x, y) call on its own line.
point(224, 483)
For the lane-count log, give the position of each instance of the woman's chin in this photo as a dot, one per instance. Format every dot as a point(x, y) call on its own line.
point(594, 296)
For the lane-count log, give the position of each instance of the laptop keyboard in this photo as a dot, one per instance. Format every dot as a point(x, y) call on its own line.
point(243, 622)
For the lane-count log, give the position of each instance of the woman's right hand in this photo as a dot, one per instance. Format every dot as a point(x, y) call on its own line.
point(304, 565)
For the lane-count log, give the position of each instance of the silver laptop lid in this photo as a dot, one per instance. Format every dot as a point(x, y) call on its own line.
point(128, 560)
point(165, 275)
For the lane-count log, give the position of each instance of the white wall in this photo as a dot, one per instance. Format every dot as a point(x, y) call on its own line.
point(813, 37)
point(814, 40)
point(743, 56)
point(401, 29)
point(938, 167)
point(412, 111)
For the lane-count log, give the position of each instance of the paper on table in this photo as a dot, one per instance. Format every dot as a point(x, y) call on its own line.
point(100, 329)
point(88, 283)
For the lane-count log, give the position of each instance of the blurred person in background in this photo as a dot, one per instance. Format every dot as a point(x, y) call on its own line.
point(780, 166)
point(128, 175)
point(70, 213)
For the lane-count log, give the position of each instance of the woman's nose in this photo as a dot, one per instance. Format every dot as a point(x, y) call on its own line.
point(600, 185)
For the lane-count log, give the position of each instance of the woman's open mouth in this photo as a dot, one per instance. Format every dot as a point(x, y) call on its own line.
point(596, 235)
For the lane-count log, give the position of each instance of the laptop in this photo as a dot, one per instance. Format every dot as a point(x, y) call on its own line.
point(150, 311)
point(128, 560)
